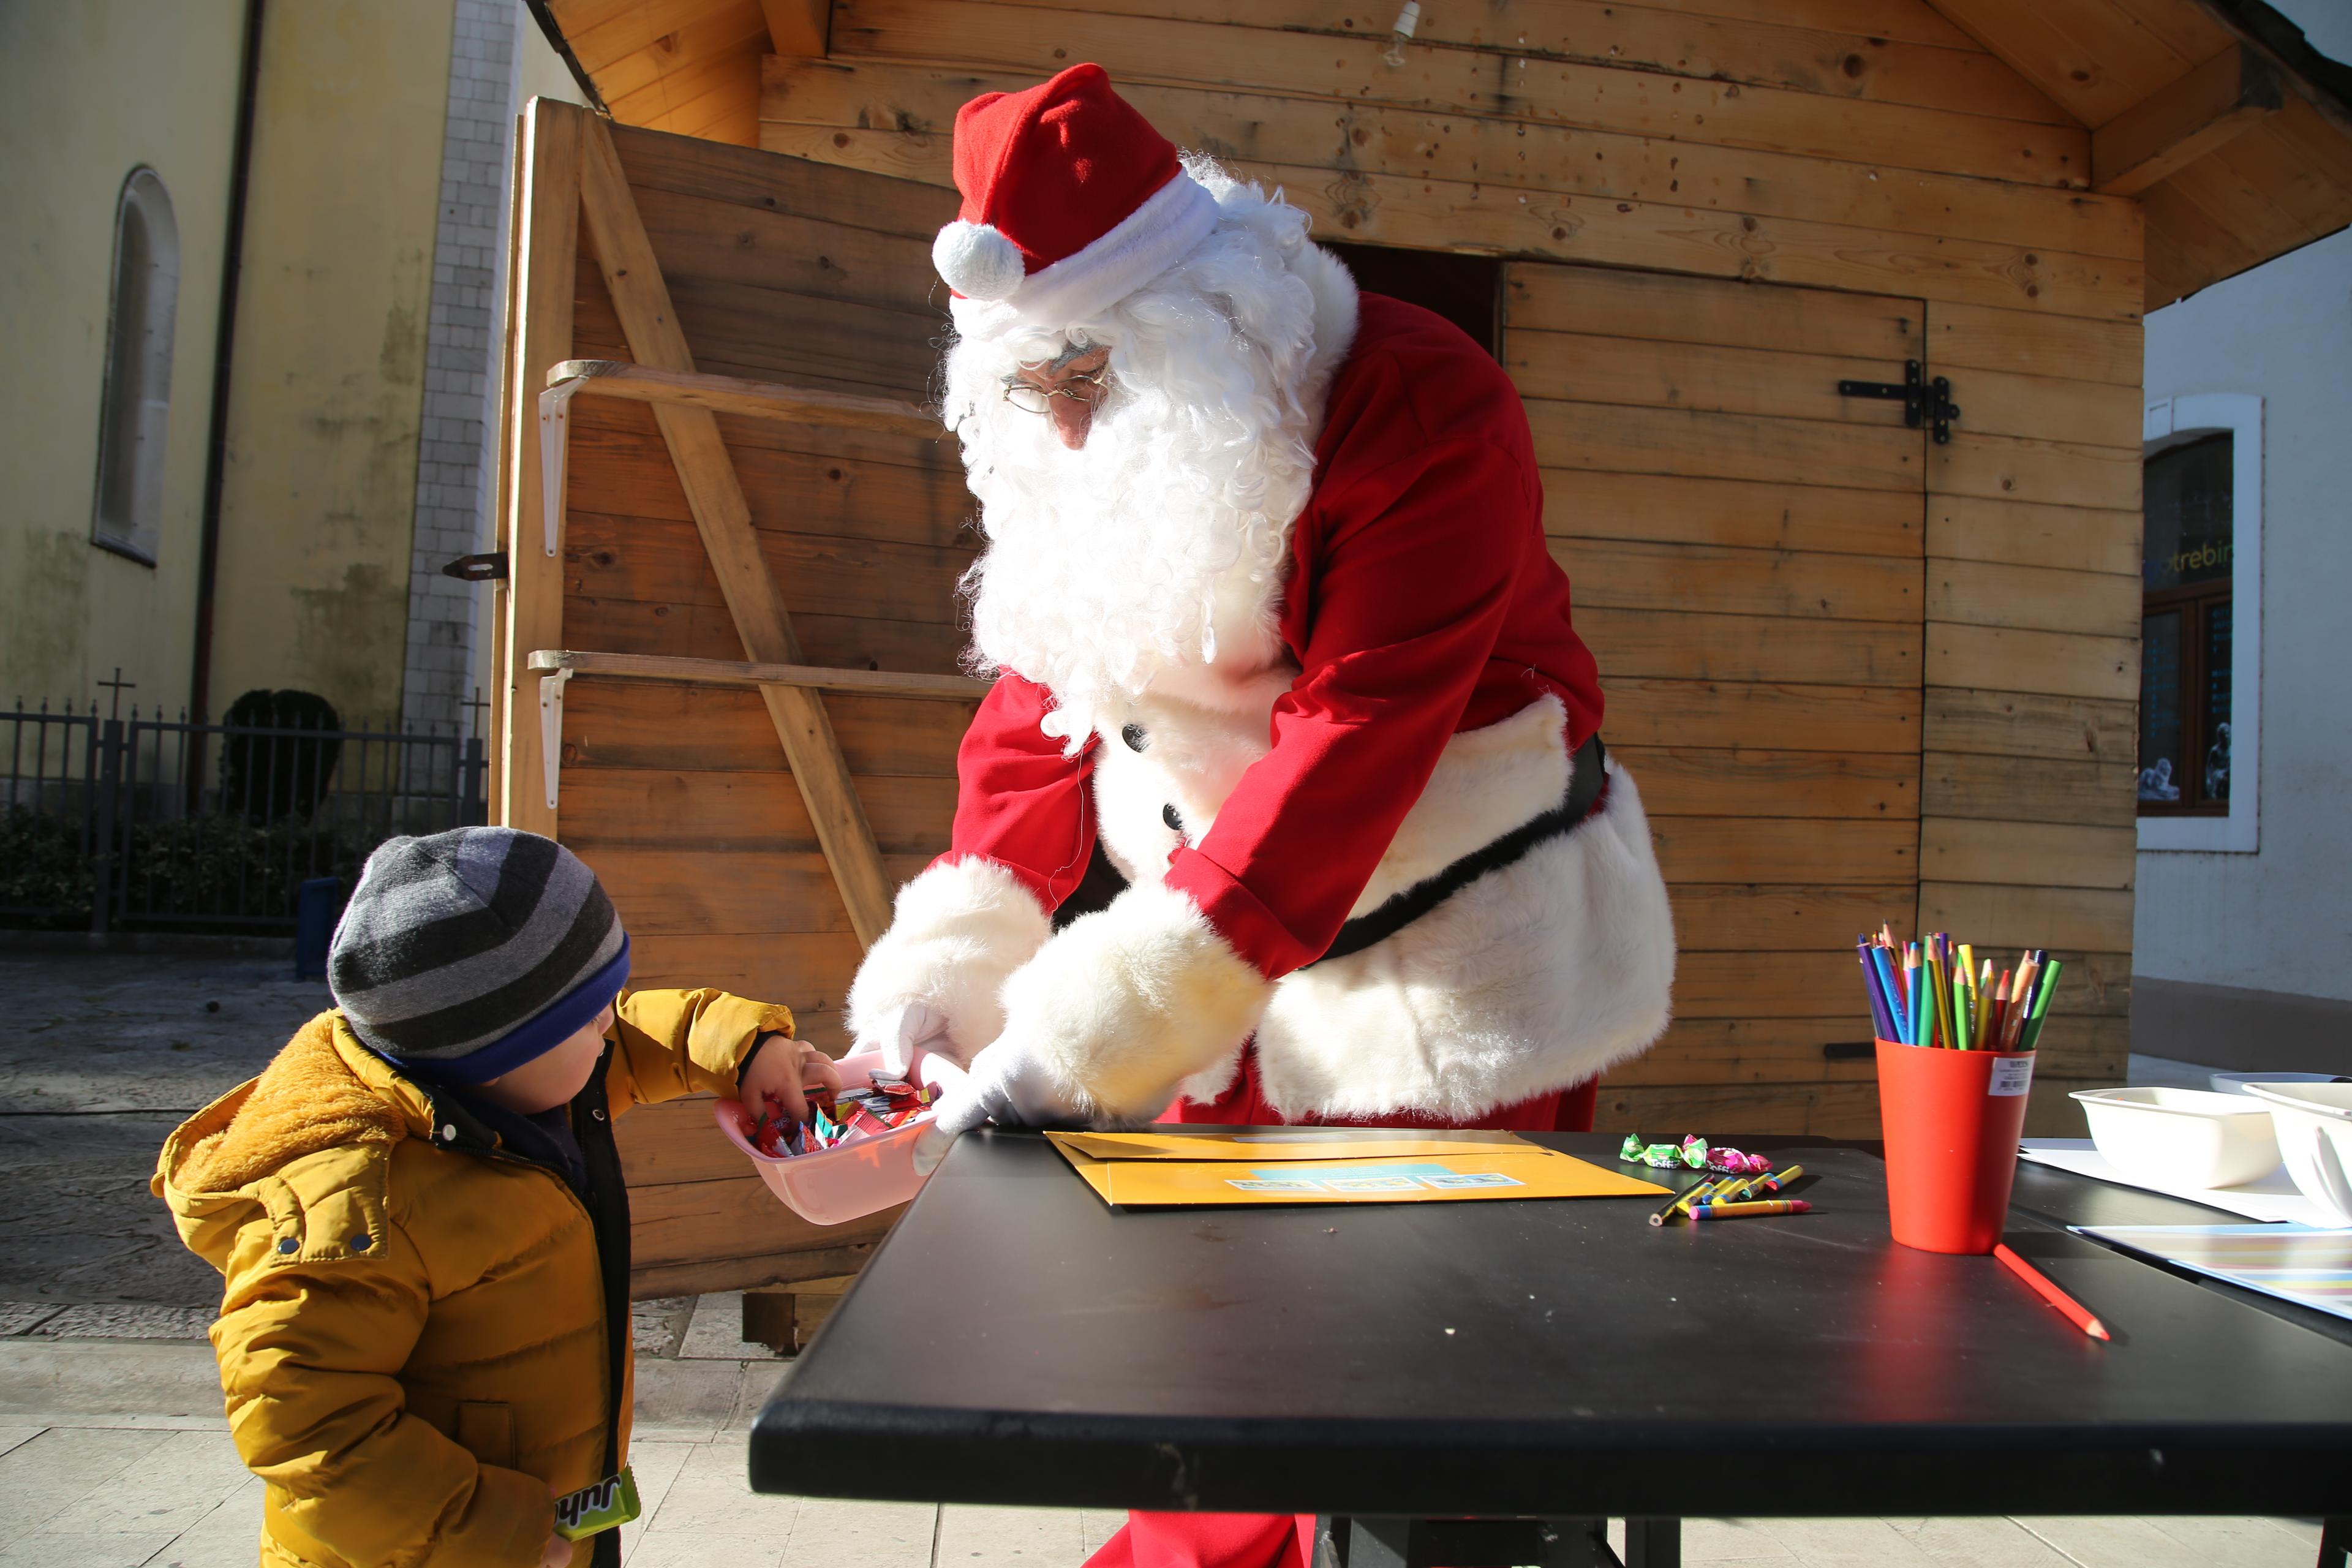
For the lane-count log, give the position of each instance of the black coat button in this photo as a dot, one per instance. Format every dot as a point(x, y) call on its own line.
point(1133, 736)
point(1175, 823)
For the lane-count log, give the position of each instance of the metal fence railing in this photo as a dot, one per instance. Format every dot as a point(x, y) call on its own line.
point(161, 823)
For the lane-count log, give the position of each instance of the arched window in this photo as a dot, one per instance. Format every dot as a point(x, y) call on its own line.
point(127, 514)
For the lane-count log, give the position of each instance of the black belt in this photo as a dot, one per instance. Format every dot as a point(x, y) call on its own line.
point(1588, 774)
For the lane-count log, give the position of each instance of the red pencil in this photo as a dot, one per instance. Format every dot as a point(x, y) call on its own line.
point(2073, 1309)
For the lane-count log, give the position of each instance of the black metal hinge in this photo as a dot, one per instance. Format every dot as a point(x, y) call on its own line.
point(1923, 402)
point(486, 568)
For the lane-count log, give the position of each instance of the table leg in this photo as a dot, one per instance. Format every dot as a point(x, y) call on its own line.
point(1342, 1542)
point(2335, 1543)
point(1577, 1543)
point(1653, 1543)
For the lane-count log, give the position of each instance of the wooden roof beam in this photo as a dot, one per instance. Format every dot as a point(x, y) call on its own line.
point(2184, 119)
point(798, 28)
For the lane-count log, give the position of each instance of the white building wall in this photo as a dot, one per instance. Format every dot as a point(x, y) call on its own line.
point(2278, 918)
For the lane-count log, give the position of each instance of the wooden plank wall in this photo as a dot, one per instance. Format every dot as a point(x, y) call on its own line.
point(1861, 145)
point(679, 796)
point(1746, 550)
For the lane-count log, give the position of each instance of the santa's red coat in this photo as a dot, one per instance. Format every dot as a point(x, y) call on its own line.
point(1422, 601)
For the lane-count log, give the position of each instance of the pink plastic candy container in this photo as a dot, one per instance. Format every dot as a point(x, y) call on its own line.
point(833, 1185)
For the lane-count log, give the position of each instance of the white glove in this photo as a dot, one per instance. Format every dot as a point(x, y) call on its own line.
point(1005, 1085)
point(916, 1027)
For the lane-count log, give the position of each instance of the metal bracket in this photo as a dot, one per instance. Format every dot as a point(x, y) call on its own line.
point(550, 727)
point(1923, 402)
point(554, 451)
point(487, 567)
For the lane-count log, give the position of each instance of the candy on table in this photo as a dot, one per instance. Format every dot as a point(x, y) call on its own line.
point(1728, 1161)
point(1661, 1155)
point(1692, 1154)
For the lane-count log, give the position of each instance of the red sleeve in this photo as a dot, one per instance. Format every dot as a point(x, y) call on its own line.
point(1414, 571)
point(1019, 801)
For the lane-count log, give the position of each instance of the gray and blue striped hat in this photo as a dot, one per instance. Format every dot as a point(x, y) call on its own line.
point(465, 955)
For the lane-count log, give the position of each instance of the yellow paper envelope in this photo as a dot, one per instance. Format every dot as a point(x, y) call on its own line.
point(1527, 1171)
point(1271, 1145)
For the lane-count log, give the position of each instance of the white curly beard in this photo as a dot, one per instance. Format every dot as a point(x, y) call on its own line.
point(1163, 540)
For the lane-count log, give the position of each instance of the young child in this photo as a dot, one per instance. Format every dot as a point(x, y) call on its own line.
point(419, 1212)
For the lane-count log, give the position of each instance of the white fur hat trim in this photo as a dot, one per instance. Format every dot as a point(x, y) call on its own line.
point(1168, 226)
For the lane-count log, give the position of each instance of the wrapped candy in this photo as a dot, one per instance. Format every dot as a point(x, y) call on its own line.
point(1692, 1154)
point(1727, 1161)
point(1664, 1156)
point(848, 1117)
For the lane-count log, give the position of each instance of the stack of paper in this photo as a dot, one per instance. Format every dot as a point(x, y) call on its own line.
point(1331, 1166)
point(2273, 1199)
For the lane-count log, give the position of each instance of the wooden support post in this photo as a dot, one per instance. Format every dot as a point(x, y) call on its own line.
point(2183, 120)
point(715, 495)
point(546, 219)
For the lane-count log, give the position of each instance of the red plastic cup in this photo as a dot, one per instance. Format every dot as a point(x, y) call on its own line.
point(1951, 1121)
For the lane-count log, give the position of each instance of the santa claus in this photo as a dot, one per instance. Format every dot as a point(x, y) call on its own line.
point(1271, 620)
point(1271, 623)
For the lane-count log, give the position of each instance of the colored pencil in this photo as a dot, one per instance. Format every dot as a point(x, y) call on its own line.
point(1937, 992)
point(1918, 1001)
point(1749, 1210)
point(2014, 1030)
point(2076, 1311)
point(1886, 983)
point(1880, 1022)
point(2032, 1036)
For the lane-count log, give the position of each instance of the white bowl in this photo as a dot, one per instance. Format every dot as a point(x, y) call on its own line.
point(2315, 1136)
point(2236, 1082)
point(2181, 1137)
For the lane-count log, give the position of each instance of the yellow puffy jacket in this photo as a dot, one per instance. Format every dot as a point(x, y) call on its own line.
point(421, 1334)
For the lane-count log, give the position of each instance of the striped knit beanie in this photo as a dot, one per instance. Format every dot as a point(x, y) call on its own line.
point(465, 955)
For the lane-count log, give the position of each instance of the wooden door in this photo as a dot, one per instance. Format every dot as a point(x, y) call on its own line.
point(1745, 544)
point(776, 269)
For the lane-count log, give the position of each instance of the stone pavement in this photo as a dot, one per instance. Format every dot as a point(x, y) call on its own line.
point(102, 1055)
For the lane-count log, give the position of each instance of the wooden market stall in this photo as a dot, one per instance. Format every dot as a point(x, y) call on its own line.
point(1867, 669)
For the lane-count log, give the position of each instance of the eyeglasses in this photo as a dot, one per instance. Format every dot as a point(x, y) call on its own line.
point(1031, 398)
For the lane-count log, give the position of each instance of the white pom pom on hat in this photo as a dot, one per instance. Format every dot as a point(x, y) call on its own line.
point(977, 262)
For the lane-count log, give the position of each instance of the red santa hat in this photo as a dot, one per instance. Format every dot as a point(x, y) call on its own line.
point(1071, 201)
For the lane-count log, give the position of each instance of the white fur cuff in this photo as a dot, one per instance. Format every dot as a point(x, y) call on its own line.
point(956, 933)
point(1127, 1003)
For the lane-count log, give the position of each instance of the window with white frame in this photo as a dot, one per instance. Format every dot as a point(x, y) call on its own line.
point(126, 514)
point(2201, 623)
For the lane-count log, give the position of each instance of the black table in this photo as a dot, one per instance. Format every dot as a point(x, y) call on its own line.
point(1015, 1341)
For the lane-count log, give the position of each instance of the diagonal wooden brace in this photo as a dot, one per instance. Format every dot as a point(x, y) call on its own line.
point(715, 495)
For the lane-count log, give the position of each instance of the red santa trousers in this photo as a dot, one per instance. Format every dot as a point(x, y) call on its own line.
point(1286, 1540)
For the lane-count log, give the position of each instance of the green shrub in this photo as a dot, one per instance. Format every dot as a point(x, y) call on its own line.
point(226, 866)
point(42, 870)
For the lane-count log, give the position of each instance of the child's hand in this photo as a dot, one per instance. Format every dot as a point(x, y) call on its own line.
point(556, 1554)
point(784, 1072)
